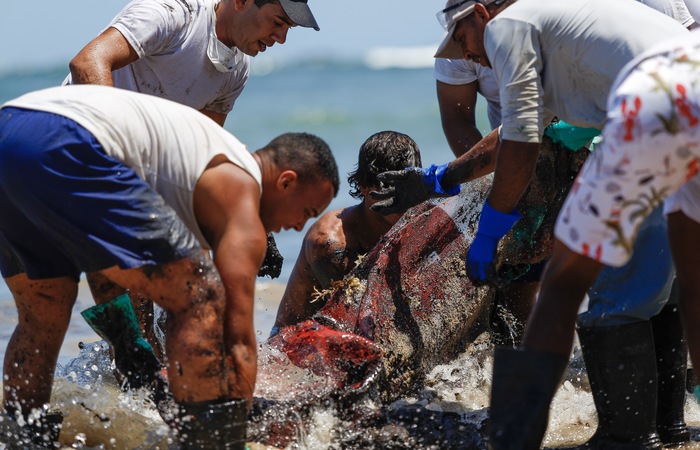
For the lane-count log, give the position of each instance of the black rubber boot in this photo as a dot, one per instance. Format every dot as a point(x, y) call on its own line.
point(213, 425)
point(38, 432)
point(524, 383)
point(672, 366)
point(621, 366)
point(505, 329)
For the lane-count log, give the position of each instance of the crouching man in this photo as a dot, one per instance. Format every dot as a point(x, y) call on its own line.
point(130, 186)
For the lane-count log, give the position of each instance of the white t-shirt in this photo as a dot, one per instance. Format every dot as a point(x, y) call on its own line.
point(167, 144)
point(694, 9)
point(464, 71)
point(676, 9)
point(171, 39)
point(560, 58)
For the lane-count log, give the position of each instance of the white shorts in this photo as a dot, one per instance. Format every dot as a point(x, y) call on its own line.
point(650, 148)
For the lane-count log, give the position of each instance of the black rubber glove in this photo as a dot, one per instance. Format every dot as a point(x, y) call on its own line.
point(272, 264)
point(402, 189)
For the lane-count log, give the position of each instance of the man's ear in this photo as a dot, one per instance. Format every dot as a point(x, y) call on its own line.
point(481, 12)
point(239, 5)
point(286, 180)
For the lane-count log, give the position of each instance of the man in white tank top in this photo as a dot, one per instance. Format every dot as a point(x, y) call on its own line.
point(117, 190)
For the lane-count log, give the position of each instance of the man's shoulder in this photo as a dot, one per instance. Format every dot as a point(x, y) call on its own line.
point(333, 232)
point(330, 247)
point(456, 71)
point(326, 228)
point(191, 6)
point(167, 14)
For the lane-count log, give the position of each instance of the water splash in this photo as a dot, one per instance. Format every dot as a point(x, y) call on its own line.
point(97, 414)
point(449, 411)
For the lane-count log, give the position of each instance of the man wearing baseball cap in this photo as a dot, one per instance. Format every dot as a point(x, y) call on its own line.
point(194, 52)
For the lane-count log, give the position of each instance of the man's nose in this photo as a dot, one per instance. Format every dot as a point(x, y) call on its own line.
point(281, 36)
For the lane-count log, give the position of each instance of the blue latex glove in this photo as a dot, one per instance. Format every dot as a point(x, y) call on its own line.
point(432, 176)
point(402, 189)
point(493, 225)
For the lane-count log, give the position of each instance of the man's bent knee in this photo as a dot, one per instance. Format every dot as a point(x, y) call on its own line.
point(177, 285)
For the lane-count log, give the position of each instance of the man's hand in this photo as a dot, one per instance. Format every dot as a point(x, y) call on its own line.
point(402, 189)
point(493, 225)
point(272, 265)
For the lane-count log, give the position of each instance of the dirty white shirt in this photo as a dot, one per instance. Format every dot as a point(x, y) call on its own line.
point(465, 71)
point(560, 58)
point(171, 38)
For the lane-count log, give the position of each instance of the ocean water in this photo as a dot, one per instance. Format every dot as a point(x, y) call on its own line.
point(344, 105)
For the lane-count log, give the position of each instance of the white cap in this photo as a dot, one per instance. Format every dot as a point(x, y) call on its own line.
point(455, 10)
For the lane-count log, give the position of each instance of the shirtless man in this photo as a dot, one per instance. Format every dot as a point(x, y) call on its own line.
point(334, 242)
point(118, 190)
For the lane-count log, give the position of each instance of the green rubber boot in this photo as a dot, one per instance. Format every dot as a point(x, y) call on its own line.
point(116, 323)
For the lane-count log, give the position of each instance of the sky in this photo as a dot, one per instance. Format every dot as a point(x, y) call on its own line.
point(44, 33)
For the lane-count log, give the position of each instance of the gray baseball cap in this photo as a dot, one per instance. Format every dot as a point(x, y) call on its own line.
point(300, 13)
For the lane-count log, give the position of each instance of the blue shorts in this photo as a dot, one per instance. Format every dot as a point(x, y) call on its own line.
point(639, 289)
point(69, 208)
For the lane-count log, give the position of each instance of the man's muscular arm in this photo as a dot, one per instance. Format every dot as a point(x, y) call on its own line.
point(95, 62)
point(329, 258)
point(457, 114)
point(322, 259)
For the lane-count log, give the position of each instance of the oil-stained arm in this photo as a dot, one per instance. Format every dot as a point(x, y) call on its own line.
point(232, 225)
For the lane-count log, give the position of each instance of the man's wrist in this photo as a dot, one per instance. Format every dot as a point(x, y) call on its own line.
point(434, 174)
point(496, 224)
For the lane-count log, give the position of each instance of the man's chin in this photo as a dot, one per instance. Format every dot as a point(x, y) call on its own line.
point(252, 52)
